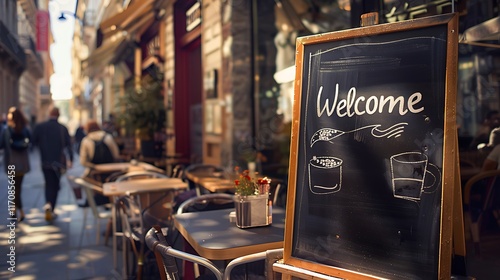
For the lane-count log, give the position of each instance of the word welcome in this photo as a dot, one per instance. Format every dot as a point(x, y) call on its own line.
point(353, 105)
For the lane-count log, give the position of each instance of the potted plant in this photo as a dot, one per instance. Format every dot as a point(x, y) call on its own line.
point(253, 207)
point(142, 113)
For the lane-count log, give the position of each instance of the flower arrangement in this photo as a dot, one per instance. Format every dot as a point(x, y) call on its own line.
point(253, 207)
point(245, 185)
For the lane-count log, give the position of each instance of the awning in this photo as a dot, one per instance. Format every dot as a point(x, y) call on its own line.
point(485, 31)
point(119, 29)
point(104, 55)
point(488, 30)
point(138, 14)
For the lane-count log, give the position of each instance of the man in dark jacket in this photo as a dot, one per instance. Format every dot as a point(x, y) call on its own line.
point(52, 138)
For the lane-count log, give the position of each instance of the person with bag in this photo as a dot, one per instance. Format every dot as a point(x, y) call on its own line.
point(54, 143)
point(15, 142)
point(97, 147)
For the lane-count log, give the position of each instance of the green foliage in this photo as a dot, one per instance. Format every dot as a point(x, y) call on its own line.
point(141, 110)
point(245, 185)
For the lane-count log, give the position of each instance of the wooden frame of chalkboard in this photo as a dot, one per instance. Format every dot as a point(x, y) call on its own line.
point(373, 153)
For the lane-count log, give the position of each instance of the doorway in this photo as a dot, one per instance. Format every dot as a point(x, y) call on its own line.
point(188, 116)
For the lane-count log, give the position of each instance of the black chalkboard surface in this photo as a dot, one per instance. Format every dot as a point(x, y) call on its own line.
point(371, 151)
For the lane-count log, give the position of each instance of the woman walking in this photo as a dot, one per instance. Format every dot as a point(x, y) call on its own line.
point(15, 141)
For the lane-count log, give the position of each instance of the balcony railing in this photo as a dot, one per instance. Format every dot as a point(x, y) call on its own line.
point(45, 95)
point(9, 43)
point(28, 44)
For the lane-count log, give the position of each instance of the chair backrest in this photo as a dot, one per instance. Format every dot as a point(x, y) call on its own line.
point(178, 171)
point(202, 166)
point(140, 175)
point(207, 202)
point(478, 198)
point(166, 255)
point(270, 256)
point(131, 217)
point(114, 175)
point(489, 176)
point(156, 206)
point(279, 195)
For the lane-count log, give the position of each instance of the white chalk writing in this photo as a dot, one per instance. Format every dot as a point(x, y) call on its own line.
point(361, 105)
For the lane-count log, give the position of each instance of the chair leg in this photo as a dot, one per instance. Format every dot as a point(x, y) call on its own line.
point(196, 270)
point(496, 214)
point(476, 226)
point(108, 232)
point(138, 255)
point(139, 268)
point(140, 259)
point(97, 229)
point(84, 223)
point(475, 232)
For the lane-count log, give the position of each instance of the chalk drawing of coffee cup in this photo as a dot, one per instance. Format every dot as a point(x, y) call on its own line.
point(411, 177)
point(325, 174)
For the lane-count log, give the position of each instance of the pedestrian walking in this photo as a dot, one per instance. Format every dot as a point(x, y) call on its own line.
point(54, 143)
point(78, 137)
point(15, 142)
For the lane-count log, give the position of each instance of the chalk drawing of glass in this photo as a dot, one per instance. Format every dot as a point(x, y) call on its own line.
point(410, 172)
point(325, 174)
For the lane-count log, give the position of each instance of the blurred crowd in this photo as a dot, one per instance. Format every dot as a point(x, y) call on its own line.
point(93, 144)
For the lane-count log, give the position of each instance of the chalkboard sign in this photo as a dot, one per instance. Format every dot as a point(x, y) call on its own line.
point(372, 153)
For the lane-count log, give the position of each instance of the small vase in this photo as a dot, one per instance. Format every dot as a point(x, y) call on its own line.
point(252, 210)
point(251, 168)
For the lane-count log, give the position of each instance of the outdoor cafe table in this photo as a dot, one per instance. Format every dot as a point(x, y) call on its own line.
point(138, 186)
point(214, 237)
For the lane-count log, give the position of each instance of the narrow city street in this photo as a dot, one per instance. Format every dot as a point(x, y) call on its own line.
point(370, 127)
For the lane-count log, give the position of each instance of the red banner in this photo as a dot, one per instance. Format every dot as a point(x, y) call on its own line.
point(42, 31)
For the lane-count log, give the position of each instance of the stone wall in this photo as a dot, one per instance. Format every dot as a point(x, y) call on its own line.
point(242, 75)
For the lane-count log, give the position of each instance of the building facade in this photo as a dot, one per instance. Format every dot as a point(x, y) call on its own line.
point(24, 66)
point(228, 68)
point(30, 81)
point(12, 56)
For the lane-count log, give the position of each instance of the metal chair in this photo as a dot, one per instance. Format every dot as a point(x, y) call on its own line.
point(178, 171)
point(99, 212)
point(271, 256)
point(136, 218)
point(133, 230)
point(166, 257)
point(207, 202)
point(159, 205)
point(475, 214)
point(279, 195)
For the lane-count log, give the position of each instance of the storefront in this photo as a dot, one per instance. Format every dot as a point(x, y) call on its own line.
point(229, 99)
point(228, 68)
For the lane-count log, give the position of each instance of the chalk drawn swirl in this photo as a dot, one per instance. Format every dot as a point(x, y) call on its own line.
point(328, 134)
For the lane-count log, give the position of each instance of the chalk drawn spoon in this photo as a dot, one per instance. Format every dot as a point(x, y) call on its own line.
point(328, 134)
